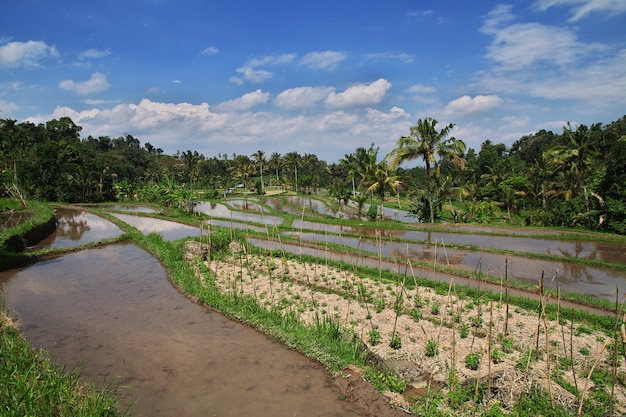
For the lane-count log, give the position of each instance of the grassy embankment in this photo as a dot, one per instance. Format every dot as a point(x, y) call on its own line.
point(31, 383)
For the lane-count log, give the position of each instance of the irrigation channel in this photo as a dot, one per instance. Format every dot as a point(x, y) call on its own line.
point(113, 311)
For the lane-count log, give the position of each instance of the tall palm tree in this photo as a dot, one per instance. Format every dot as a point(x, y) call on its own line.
point(431, 145)
point(259, 159)
point(575, 158)
point(192, 160)
point(349, 163)
point(378, 179)
point(275, 162)
point(294, 160)
point(10, 140)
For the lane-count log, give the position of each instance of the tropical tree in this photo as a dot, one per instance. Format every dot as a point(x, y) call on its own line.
point(259, 160)
point(10, 143)
point(431, 145)
point(294, 160)
point(242, 168)
point(192, 160)
point(574, 158)
point(379, 178)
point(276, 162)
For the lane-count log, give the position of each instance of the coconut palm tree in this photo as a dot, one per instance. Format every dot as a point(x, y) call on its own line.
point(259, 159)
point(293, 160)
point(378, 179)
point(575, 158)
point(431, 145)
point(275, 162)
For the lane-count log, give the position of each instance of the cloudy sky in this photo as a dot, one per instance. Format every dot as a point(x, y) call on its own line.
point(322, 77)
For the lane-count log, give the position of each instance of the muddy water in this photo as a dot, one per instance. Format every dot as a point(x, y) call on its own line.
point(113, 310)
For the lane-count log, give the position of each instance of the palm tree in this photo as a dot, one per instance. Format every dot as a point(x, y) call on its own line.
point(293, 159)
point(424, 141)
point(10, 140)
point(575, 158)
point(276, 163)
point(359, 162)
point(191, 165)
point(259, 159)
point(378, 179)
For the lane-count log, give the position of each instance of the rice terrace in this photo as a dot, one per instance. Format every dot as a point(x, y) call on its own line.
point(239, 287)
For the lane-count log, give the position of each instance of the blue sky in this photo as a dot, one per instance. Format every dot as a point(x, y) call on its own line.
point(322, 77)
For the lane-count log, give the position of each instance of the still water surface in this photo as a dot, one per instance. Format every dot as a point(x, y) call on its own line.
point(114, 311)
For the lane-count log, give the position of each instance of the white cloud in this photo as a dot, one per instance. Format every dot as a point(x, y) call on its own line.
point(252, 73)
point(419, 13)
point(467, 105)
point(25, 54)
point(392, 56)
point(211, 50)
point(93, 53)
point(244, 102)
point(421, 89)
point(582, 8)
point(323, 59)
point(360, 94)
point(196, 126)
point(7, 108)
point(98, 82)
point(301, 97)
point(516, 121)
point(517, 46)
point(602, 83)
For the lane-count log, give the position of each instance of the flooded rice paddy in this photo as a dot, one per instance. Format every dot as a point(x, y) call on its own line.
point(113, 310)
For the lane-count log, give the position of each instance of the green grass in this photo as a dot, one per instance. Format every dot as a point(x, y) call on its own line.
point(32, 385)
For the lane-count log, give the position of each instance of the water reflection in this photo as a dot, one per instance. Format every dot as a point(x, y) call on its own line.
point(8, 219)
point(113, 311)
point(169, 230)
point(76, 227)
point(132, 208)
point(245, 204)
point(213, 209)
point(601, 251)
point(570, 277)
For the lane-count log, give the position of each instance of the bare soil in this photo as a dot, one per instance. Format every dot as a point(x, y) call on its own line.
point(512, 352)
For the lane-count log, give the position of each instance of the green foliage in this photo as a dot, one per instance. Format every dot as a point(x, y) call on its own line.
point(372, 212)
point(385, 380)
point(431, 348)
point(536, 402)
point(472, 360)
point(31, 384)
point(396, 342)
point(375, 337)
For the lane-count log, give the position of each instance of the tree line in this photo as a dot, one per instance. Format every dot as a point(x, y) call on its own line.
point(574, 178)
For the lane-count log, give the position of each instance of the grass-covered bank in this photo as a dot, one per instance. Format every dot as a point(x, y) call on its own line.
point(32, 384)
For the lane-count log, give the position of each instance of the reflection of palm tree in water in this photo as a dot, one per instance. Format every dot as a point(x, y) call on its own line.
point(72, 226)
point(572, 272)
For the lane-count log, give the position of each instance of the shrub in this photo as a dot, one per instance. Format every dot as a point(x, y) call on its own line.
point(472, 360)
